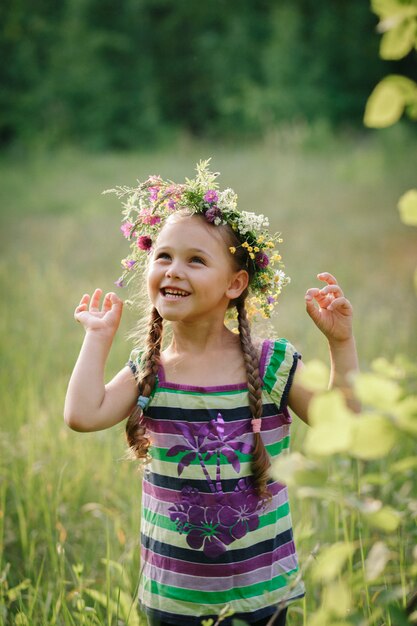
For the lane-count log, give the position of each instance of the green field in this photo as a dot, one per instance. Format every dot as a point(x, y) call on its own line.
point(69, 524)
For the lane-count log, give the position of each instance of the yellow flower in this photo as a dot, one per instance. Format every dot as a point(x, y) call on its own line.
point(256, 249)
point(245, 244)
point(250, 249)
point(232, 249)
point(276, 257)
point(261, 239)
point(270, 244)
point(252, 256)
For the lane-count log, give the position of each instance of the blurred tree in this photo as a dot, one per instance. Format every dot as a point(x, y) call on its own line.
point(110, 75)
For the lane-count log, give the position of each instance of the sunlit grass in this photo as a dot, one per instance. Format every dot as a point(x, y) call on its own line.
point(70, 502)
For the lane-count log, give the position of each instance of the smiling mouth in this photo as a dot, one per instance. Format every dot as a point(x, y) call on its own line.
point(174, 294)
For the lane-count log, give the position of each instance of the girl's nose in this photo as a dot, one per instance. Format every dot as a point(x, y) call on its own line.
point(174, 270)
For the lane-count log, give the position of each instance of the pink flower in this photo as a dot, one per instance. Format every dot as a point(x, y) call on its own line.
point(144, 242)
point(211, 196)
point(262, 260)
point(212, 214)
point(126, 229)
point(153, 192)
point(149, 218)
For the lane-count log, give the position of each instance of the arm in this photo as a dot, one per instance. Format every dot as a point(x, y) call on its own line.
point(90, 404)
point(333, 317)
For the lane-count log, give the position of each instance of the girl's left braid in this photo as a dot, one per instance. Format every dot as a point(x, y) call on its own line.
point(260, 457)
point(146, 377)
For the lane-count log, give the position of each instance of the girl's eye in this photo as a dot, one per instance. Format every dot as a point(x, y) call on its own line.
point(197, 259)
point(163, 255)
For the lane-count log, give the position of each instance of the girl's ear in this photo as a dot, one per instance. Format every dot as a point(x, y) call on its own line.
point(238, 284)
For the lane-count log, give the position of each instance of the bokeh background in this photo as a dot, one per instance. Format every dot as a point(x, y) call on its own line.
point(97, 93)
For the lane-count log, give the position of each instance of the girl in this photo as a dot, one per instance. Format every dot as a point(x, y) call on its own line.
point(210, 411)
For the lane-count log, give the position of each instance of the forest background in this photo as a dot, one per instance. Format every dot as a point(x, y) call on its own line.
point(95, 94)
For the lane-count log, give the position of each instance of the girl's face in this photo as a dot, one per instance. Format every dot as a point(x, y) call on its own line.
point(191, 275)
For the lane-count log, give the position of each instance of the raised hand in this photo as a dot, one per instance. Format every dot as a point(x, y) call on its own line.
point(107, 320)
point(333, 315)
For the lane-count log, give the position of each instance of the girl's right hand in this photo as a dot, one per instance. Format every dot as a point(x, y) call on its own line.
point(105, 321)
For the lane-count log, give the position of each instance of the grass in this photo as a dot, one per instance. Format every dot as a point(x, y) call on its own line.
point(69, 523)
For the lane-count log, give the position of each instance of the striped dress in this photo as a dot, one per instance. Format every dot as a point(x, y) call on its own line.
point(207, 539)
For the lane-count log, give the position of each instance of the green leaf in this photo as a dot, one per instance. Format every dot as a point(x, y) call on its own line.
point(376, 390)
point(331, 560)
point(407, 206)
point(387, 101)
point(384, 107)
point(398, 41)
point(295, 469)
point(331, 425)
point(386, 519)
point(403, 465)
point(375, 563)
point(337, 598)
point(315, 376)
point(373, 436)
point(392, 8)
point(406, 414)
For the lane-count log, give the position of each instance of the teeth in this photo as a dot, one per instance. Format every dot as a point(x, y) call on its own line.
point(175, 292)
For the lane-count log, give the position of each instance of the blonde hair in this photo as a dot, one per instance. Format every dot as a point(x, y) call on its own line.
point(146, 374)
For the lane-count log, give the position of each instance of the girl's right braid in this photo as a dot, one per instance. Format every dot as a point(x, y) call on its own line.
point(135, 426)
point(260, 459)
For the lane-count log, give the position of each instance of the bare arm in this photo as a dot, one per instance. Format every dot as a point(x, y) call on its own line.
point(90, 404)
point(333, 317)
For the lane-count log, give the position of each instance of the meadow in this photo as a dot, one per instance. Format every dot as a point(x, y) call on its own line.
point(69, 518)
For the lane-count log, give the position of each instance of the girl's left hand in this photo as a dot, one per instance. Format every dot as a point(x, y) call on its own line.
point(333, 316)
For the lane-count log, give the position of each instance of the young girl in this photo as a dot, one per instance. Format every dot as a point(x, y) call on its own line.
point(210, 411)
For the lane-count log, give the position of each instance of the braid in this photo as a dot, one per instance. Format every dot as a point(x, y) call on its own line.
point(260, 458)
point(135, 425)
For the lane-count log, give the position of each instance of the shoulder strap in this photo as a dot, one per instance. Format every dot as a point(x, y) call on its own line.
point(280, 365)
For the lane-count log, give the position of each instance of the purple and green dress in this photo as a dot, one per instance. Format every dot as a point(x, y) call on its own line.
point(207, 539)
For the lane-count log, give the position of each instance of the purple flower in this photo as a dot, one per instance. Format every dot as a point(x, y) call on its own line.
point(144, 242)
point(241, 513)
point(262, 260)
point(213, 214)
point(129, 263)
point(271, 299)
point(207, 532)
point(171, 204)
point(126, 229)
point(153, 193)
point(119, 282)
point(211, 196)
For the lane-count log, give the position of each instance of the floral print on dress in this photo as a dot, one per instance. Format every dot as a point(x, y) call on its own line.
point(236, 513)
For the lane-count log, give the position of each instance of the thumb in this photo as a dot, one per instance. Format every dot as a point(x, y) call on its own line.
point(311, 308)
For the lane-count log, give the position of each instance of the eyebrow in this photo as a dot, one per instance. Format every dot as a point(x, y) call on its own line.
point(189, 250)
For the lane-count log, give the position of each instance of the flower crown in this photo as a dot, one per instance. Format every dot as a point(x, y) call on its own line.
point(149, 204)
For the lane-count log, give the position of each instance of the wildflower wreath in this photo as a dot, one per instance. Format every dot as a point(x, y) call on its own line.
point(147, 206)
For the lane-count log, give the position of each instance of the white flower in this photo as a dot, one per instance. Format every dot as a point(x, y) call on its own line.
point(227, 199)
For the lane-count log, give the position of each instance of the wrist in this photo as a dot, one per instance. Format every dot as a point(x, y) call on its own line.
point(99, 335)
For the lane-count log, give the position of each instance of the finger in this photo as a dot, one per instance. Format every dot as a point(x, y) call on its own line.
point(335, 290)
point(323, 300)
point(327, 277)
point(95, 300)
point(311, 309)
point(107, 302)
point(340, 304)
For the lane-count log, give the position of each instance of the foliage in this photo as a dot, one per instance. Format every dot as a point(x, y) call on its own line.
point(122, 75)
point(363, 466)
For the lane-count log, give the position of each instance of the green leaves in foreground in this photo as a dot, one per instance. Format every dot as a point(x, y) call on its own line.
point(365, 576)
point(387, 102)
